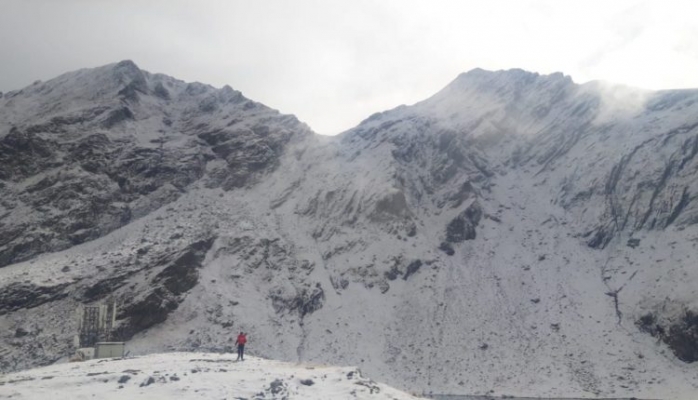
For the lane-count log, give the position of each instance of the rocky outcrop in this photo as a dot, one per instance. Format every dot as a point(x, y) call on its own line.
point(463, 226)
point(23, 154)
point(246, 152)
point(680, 334)
point(18, 296)
point(306, 301)
point(169, 287)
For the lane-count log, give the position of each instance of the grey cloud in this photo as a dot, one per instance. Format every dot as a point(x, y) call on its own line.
point(332, 63)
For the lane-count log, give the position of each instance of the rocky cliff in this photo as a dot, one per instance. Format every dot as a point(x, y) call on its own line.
point(90, 151)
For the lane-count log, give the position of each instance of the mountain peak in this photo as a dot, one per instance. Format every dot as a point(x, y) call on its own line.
point(487, 78)
point(127, 72)
point(126, 64)
point(482, 92)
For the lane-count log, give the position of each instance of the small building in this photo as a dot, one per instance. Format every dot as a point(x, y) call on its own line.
point(109, 349)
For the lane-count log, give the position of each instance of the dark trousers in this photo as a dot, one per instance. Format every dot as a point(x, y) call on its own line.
point(241, 352)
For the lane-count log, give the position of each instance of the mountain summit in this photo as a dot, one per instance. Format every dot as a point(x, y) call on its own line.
point(515, 233)
point(90, 151)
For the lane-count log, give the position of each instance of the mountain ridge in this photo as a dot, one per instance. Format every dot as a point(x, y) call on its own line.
point(470, 243)
point(143, 132)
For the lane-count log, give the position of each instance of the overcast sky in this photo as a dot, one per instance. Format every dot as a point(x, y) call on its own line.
point(332, 63)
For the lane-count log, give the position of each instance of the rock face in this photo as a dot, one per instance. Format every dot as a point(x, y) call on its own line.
point(515, 232)
point(130, 143)
point(679, 333)
point(463, 226)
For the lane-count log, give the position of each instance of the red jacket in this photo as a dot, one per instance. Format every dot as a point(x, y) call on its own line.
point(242, 339)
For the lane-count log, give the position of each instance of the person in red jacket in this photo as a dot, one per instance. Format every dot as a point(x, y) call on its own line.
point(242, 339)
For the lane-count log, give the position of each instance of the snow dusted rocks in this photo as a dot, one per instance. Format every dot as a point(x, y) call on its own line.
point(513, 234)
point(194, 375)
point(87, 152)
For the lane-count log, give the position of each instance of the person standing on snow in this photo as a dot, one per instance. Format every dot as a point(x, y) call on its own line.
point(241, 340)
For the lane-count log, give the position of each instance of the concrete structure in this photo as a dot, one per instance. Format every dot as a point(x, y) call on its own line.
point(109, 349)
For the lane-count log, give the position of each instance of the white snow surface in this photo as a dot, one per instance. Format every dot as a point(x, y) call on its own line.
point(193, 376)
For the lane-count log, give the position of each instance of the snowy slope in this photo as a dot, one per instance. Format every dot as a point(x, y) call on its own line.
point(514, 234)
point(193, 376)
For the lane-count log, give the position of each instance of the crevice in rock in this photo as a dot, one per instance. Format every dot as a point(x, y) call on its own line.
point(685, 199)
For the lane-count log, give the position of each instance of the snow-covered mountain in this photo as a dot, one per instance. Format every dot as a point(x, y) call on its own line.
point(90, 151)
point(194, 376)
point(515, 233)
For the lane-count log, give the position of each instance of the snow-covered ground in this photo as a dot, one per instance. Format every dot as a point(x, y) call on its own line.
point(193, 376)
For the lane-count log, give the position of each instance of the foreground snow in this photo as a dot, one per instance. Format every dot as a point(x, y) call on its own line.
point(193, 376)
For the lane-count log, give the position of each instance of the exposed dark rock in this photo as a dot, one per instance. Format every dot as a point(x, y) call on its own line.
point(392, 273)
point(246, 154)
point(305, 302)
point(633, 242)
point(21, 332)
point(463, 226)
point(98, 179)
point(600, 239)
point(681, 335)
point(117, 116)
point(161, 92)
point(27, 295)
point(92, 204)
point(277, 386)
point(412, 230)
point(148, 382)
point(447, 248)
point(23, 247)
point(647, 323)
point(412, 268)
point(151, 311)
point(683, 202)
point(182, 274)
point(178, 277)
point(104, 288)
point(465, 192)
point(23, 154)
point(208, 104)
point(343, 283)
point(392, 205)
point(97, 373)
